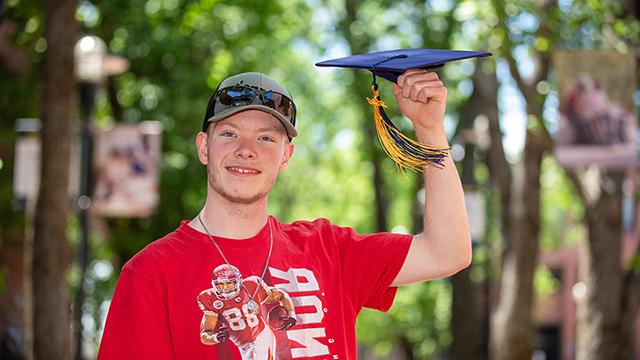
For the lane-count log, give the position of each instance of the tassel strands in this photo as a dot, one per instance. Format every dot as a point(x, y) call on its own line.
point(404, 151)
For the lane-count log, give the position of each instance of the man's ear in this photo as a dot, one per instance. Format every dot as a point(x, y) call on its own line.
point(288, 153)
point(201, 145)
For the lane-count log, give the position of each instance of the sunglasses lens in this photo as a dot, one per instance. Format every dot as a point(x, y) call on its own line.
point(280, 103)
point(235, 96)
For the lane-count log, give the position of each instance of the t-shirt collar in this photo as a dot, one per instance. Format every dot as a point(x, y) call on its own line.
point(259, 238)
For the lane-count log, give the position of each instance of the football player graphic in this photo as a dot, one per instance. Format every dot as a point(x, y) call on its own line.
point(232, 311)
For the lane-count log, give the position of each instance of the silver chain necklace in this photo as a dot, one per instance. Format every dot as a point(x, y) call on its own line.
point(252, 305)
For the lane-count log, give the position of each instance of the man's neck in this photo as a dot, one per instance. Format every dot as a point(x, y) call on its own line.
point(231, 220)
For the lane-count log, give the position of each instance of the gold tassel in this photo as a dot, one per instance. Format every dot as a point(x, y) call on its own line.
point(404, 151)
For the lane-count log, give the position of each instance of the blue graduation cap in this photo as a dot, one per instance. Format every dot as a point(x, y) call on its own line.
point(406, 152)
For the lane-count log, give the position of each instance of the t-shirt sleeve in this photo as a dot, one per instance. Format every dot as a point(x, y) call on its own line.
point(137, 324)
point(370, 263)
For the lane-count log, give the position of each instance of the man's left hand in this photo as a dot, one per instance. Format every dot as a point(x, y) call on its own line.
point(422, 97)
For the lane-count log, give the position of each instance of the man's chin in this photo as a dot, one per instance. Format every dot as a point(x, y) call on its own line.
point(240, 195)
point(245, 199)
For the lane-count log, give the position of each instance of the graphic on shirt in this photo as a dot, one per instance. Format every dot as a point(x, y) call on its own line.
point(310, 338)
point(245, 312)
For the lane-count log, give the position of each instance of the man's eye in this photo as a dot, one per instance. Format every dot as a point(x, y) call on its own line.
point(227, 134)
point(267, 138)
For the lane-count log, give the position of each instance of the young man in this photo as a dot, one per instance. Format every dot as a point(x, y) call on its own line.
point(328, 272)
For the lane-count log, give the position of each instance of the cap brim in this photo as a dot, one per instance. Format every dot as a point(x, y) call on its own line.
point(291, 131)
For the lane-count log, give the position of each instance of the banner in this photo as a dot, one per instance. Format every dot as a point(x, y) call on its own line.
point(127, 175)
point(597, 122)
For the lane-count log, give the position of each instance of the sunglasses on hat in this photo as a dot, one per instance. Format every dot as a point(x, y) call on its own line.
point(238, 95)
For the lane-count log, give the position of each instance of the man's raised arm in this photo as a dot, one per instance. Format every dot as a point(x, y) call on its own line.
point(444, 247)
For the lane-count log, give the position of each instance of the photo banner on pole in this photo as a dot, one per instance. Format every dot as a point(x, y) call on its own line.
point(127, 160)
point(597, 124)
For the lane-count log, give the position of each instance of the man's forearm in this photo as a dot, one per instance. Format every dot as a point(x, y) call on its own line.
point(445, 221)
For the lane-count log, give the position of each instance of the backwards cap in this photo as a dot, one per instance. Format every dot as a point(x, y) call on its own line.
point(253, 80)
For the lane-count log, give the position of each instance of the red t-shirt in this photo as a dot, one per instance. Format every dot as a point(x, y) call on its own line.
point(329, 273)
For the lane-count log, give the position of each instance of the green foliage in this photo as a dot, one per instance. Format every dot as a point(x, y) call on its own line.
point(634, 264)
point(544, 282)
point(3, 278)
point(420, 315)
point(561, 210)
point(18, 99)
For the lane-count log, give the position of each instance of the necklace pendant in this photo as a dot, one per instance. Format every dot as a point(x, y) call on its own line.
point(253, 307)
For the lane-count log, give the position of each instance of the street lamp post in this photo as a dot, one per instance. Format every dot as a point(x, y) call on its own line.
point(89, 54)
point(93, 65)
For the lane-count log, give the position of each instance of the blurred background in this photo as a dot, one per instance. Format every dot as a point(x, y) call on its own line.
point(97, 162)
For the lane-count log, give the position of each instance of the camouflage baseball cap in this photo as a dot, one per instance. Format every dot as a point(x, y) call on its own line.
point(251, 90)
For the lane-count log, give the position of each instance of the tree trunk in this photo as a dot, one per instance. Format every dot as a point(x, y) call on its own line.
point(360, 44)
point(51, 253)
point(465, 328)
point(511, 324)
point(607, 315)
point(631, 304)
point(601, 332)
point(465, 321)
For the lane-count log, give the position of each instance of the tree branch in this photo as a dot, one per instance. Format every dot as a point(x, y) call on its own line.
point(534, 101)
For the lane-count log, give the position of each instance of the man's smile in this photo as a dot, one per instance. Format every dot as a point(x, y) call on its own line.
point(243, 170)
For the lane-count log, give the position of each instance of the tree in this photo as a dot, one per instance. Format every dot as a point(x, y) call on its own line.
point(607, 313)
point(18, 54)
point(610, 307)
point(51, 253)
point(520, 191)
point(512, 327)
point(465, 318)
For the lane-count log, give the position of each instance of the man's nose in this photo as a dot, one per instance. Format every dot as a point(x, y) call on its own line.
point(246, 149)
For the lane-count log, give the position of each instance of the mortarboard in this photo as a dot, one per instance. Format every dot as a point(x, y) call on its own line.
point(406, 152)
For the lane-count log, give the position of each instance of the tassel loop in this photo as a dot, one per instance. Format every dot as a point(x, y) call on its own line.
point(375, 101)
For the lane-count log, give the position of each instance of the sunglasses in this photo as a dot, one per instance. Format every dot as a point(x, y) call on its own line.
point(234, 96)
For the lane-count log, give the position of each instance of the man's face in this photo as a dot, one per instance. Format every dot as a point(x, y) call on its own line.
point(244, 154)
